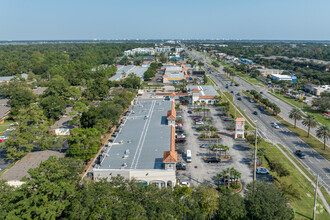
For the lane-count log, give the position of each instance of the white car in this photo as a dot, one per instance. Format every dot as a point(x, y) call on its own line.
point(262, 171)
point(186, 183)
point(199, 123)
point(275, 125)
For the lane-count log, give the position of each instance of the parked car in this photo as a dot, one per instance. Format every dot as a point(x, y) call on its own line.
point(231, 91)
point(300, 154)
point(212, 160)
point(247, 90)
point(255, 113)
point(227, 119)
point(261, 108)
point(197, 118)
point(180, 140)
point(227, 86)
point(236, 84)
point(238, 94)
point(204, 146)
point(261, 93)
point(189, 112)
point(181, 166)
point(275, 125)
point(262, 171)
point(239, 98)
point(186, 183)
point(251, 100)
point(199, 123)
point(180, 135)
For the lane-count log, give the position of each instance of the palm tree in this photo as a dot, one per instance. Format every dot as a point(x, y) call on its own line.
point(224, 173)
point(218, 177)
point(232, 173)
point(225, 149)
point(237, 175)
point(210, 148)
point(295, 114)
point(213, 129)
point(310, 121)
point(323, 132)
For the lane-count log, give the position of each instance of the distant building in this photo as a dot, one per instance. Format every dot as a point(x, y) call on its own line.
point(316, 90)
point(4, 110)
point(266, 72)
point(175, 74)
point(194, 95)
point(283, 77)
point(62, 127)
point(8, 78)
point(146, 51)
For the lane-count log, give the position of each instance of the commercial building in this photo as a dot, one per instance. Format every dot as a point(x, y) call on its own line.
point(194, 95)
point(283, 77)
point(266, 72)
point(205, 93)
point(144, 148)
point(316, 90)
point(175, 74)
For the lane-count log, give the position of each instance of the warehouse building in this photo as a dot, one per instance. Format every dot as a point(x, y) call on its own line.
point(144, 148)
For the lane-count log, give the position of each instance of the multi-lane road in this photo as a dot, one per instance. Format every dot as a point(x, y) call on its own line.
point(315, 163)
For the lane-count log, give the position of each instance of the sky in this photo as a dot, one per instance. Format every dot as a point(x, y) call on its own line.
point(170, 19)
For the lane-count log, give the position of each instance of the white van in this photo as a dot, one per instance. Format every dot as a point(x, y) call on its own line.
point(188, 156)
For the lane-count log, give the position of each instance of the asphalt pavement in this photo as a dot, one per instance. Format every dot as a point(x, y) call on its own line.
point(315, 163)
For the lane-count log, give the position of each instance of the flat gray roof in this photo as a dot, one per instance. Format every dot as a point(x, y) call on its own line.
point(139, 71)
point(204, 90)
point(145, 134)
point(121, 70)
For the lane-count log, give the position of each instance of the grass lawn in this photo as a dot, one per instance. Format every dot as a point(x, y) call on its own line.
point(303, 206)
point(302, 134)
point(306, 108)
point(4, 127)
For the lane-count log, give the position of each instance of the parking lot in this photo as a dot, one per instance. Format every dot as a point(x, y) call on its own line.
point(198, 171)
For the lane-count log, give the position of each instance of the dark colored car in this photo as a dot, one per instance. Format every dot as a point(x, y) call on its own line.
point(261, 93)
point(227, 119)
point(231, 91)
point(180, 140)
point(227, 86)
point(239, 98)
point(261, 108)
point(247, 90)
point(181, 166)
point(255, 113)
point(301, 154)
point(236, 84)
point(189, 112)
point(212, 160)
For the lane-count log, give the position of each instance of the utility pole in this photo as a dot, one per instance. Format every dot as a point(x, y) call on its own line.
point(255, 157)
point(315, 197)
